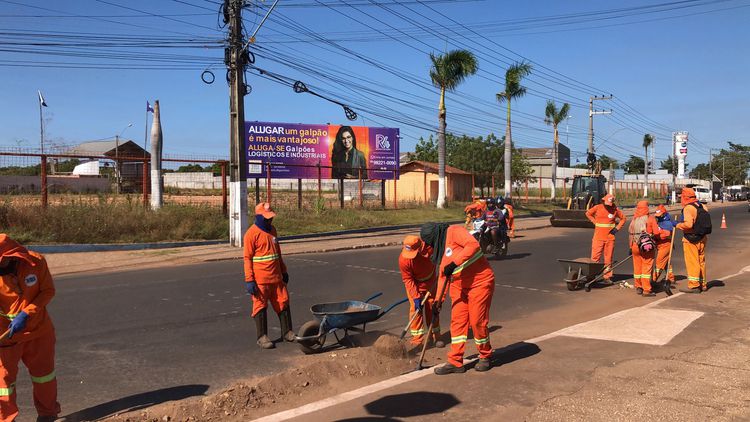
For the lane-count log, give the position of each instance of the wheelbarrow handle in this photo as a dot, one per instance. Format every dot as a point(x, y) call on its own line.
point(376, 295)
point(388, 309)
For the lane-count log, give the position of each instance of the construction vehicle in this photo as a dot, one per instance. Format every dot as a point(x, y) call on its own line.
point(587, 191)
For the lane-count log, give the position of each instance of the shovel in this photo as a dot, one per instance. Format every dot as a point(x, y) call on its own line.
point(429, 330)
point(413, 317)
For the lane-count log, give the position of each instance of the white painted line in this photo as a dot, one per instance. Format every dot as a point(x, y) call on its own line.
point(344, 397)
point(389, 383)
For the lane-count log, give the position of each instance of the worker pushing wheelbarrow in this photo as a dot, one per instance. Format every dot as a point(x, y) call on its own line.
point(331, 317)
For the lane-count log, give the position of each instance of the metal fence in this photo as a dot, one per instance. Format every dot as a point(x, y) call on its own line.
point(34, 179)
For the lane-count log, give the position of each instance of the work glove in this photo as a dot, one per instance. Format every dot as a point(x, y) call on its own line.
point(417, 304)
point(285, 277)
point(252, 287)
point(448, 270)
point(613, 231)
point(630, 251)
point(18, 323)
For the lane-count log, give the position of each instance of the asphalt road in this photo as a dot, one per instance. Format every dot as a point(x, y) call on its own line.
point(176, 332)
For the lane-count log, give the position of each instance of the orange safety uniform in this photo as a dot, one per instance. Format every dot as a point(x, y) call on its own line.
point(663, 245)
point(511, 223)
point(265, 266)
point(28, 289)
point(695, 253)
point(474, 211)
point(419, 277)
point(603, 243)
point(643, 263)
point(471, 289)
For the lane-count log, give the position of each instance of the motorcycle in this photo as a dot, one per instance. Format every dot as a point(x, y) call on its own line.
point(481, 233)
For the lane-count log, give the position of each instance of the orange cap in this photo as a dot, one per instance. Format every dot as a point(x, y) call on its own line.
point(412, 244)
point(609, 199)
point(264, 209)
point(660, 210)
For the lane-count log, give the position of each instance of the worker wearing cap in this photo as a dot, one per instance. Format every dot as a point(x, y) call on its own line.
point(266, 276)
point(664, 242)
point(420, 277)
point(643, 259)
point(695, 252)
point(472, 283)
point(25, 290)
point(607, 220)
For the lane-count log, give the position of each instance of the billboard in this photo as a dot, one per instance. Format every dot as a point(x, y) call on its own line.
point(295, 150)
point(680, 143)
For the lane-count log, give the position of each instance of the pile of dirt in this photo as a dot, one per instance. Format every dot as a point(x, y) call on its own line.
point(320, 376)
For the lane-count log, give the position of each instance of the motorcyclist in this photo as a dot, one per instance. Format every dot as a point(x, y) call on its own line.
point(493, 218)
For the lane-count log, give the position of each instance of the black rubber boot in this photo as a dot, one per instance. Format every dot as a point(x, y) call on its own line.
point(449, 369)
point(261, 328)
point(285, 318)
point(483, 365)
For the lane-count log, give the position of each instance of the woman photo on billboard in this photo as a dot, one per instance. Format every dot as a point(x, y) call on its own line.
point(346, 159)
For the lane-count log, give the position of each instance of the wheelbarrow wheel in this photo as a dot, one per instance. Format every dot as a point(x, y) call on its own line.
point(311, 328)
point(571, 280)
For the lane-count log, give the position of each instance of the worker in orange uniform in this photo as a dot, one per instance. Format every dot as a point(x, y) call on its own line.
point(266, 277)
point(694, 241)
point(420, 277)
point(473, 211)
point(663, 243)
point(25, 291)
point(508, 205)
point(608, 220)
point(643, 250)
point(458, 256)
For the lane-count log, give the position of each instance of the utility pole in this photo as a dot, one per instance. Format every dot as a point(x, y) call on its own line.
point(236, 59)
point(591, 157)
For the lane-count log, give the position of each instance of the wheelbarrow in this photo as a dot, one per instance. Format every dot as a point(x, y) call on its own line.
point(585, 271)
point(331, 317)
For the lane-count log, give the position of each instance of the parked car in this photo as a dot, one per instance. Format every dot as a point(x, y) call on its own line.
point(703, 194)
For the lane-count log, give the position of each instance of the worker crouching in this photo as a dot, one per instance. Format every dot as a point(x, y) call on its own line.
point(607, 220)
point(266, 276)
point(643, 248)
point(25, 291)
point(419, 277)
point(463, 270)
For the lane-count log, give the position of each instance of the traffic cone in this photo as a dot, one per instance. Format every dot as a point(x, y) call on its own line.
point(723, 221)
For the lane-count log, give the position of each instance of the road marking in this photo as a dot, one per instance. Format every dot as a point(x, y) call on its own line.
point(357, 267)
point(392, 382)
point(311, 261)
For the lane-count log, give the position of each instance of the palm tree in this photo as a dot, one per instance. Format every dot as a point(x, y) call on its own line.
point(447, 72)
point(553, 117)
point(513, 90)
point(648, 139)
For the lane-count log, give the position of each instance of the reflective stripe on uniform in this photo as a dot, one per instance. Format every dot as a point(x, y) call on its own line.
point(419, 332)
point(471, 260)
point(607, 225)
point(429, 277)
point(8, 316)
point(459, 339)
point(264, 258)
point(695, 278)
point(7, 391)
point(46, 378)
point(481, 340)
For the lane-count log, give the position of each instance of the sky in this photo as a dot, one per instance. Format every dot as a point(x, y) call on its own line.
point(670, 65)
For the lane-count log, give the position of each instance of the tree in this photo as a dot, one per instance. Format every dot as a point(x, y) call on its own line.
point(190, 168)
point(731, 165)
point(701, 171)
point(513, 90)
point(447, 72)
point(648, 139)
point(605, 162)
point(426, 150)
point(634, 165)
point(669, 164)
point(553, 117)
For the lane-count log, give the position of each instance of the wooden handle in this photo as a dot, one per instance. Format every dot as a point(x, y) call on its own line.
point(5, 334)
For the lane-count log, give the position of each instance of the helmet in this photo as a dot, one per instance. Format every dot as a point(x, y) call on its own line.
point(500, 201)
point(490, 203)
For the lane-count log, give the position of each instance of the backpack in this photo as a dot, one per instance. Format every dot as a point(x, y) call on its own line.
point(701, 226)
point(646, 243)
